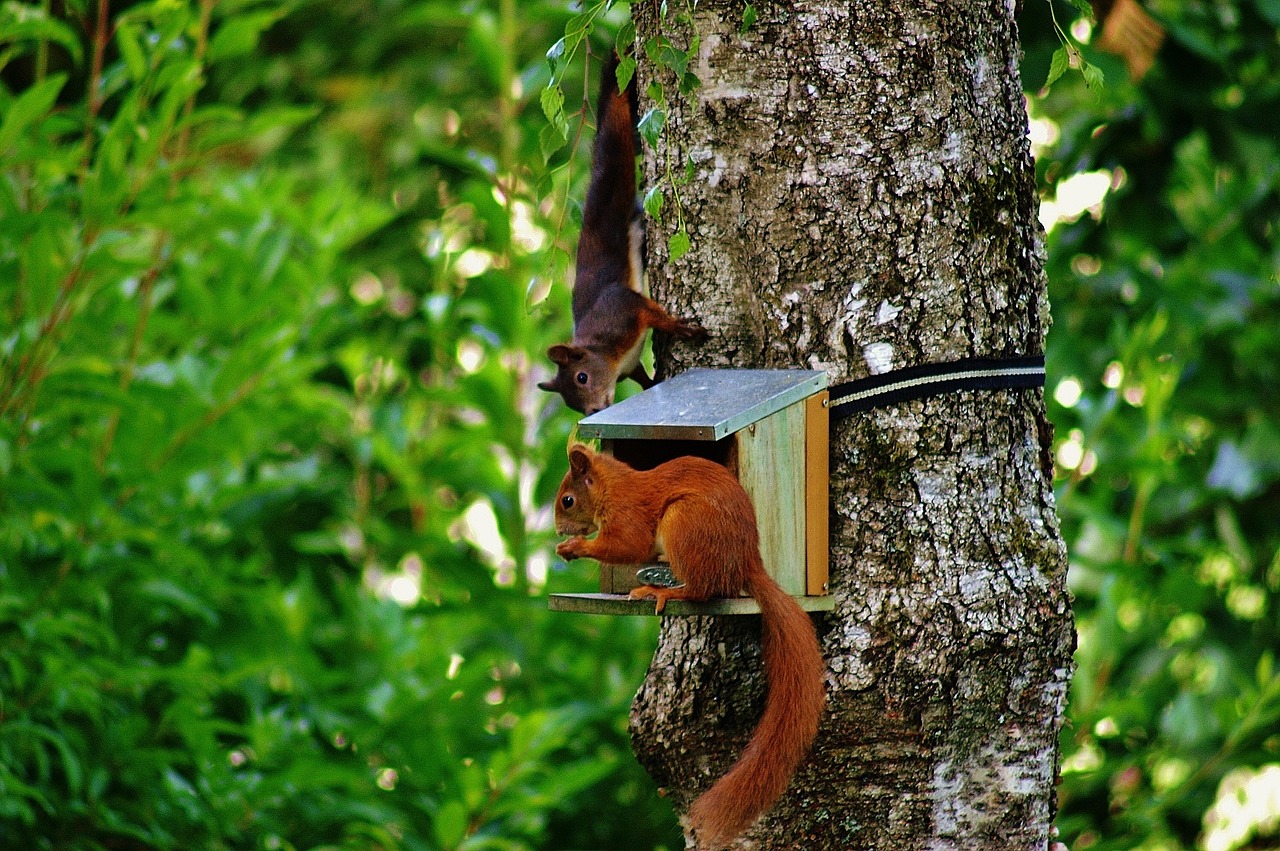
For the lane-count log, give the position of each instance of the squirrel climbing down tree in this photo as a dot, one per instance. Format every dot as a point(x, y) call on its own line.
point(699, 514)
point(611, 313)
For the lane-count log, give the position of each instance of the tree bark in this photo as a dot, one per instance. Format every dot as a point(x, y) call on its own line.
point(864, 200)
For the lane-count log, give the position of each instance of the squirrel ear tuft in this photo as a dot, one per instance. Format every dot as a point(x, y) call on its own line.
point(579, 458)
point(562, 354)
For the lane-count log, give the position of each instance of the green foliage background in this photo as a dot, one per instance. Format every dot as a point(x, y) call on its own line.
point(1167, 315)
point(276, 278)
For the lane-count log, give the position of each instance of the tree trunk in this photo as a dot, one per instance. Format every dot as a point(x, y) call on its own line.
point(864, 200)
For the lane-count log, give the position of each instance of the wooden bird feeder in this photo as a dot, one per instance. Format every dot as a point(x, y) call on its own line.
point(769, 427)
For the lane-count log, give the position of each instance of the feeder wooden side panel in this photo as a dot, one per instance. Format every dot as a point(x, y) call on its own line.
point(771, 467)
point(817, 484)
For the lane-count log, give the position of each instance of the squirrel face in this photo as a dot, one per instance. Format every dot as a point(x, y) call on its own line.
point(576, 499)
point(585, 379)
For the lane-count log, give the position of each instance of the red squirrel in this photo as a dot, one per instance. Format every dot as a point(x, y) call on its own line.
point(699, 515)
point(610, 310)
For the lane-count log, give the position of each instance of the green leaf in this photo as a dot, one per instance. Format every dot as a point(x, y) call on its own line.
point(113, 151)
point(130, 43)
point(269, 119)
point(748, 19)
point(651, 124)
point(1093, 77)
point(653, 47)
point(550, 140)
point(581, 775)
point(678, 245)
point(1058, 65)
point(556, 134)
point(552, 100)
point(240, 35)
point(625, 40)
point(580, 25)
point(23, 22)
point(30, 106)
point(653, 200)
point(163, 591)
point(1264, 671)
point(626, 70)
point(676, 60)
point(554, 54)
point(73, 771)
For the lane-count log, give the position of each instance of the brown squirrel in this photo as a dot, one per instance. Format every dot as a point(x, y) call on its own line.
point(610, 310)
point(698, 513)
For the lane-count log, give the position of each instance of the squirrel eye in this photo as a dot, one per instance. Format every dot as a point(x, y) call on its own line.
point(582, 378)
point(567, 500)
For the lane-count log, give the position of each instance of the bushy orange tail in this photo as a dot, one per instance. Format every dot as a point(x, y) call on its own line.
point(794, 669)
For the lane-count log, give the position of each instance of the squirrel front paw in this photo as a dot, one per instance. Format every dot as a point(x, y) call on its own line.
point(571, 549)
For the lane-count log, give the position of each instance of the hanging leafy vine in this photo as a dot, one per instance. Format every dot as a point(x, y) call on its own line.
point(670, 61)
point(1069, 55)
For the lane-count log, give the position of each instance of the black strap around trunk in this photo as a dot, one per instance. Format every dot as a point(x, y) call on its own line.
point(917, 382)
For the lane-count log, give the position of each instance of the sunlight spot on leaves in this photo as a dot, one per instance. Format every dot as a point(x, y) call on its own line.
point(1087, 758)
point(367, 288)
point(1080, 193)
point(1068, 392)
point(1071, 450)
point(1247, 805)
point(473, 262)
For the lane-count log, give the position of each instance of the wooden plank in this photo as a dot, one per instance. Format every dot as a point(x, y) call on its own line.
point(771, 467)
point(620, 604)
point(817, 477)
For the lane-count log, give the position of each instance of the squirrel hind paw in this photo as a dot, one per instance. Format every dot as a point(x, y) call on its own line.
point(659, 595)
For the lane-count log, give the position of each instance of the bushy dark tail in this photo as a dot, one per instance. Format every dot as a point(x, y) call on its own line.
point(611, 194)
point(794, 669)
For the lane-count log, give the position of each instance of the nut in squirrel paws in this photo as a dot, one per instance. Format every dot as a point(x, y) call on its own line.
point(572, 548)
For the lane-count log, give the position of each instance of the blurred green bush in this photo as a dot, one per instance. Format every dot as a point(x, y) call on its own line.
point(1164, 387)
point(272, 561)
